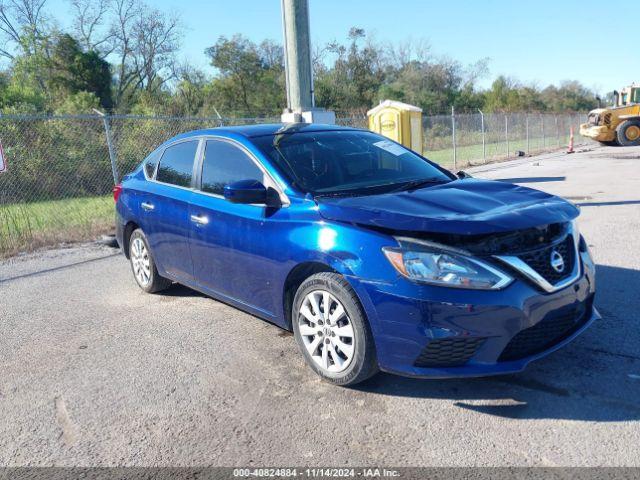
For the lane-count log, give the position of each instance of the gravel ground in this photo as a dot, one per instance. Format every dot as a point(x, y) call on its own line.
point(97, 373)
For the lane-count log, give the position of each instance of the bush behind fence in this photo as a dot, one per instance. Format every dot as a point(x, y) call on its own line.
point(60, 173)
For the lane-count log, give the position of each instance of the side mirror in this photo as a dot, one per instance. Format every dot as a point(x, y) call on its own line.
point(462, 175)
point(246, 192)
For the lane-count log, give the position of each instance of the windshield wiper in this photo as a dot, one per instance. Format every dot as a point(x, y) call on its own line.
point(339, 194)
point(415, 184)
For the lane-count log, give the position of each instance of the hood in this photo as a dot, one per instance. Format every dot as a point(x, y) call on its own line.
point(464, 207)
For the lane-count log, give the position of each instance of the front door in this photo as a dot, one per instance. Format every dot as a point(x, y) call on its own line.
point(228, 255)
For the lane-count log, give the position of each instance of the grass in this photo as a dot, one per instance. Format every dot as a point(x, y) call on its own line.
point(25, 226)
point(472, 154)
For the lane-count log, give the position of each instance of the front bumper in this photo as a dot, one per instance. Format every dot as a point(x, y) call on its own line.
point(475, 333)
point(600, 133)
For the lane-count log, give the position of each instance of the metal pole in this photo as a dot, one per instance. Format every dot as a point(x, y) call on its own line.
point(506, 131)
point(544, 140)
point(453, 134)
point(555, 117)
point(297, 53)
point(219, 117)
point(484, 144)
point(110, 147)
point(527, 127)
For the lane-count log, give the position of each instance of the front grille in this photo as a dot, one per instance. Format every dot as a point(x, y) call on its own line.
point(545, 333)
point(540, 260)
point(607, 119)
point(449, 352)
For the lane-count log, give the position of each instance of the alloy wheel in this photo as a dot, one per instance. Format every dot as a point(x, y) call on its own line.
point(140, 261)
point(326, 331)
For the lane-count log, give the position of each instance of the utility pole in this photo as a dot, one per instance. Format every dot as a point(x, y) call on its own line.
point(298, 68)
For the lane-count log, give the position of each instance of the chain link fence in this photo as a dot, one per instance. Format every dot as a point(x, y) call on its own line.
point(61, 169)
point(481, 138)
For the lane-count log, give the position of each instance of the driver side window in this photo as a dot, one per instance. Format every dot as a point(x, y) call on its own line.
point(225, 163)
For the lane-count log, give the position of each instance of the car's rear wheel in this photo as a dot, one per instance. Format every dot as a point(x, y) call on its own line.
point(332, 330)
point(143, 266)
point(629, 133)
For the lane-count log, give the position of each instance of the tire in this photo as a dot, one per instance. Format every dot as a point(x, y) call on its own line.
point(628, 133)
point(321, 341)
point(143, 266)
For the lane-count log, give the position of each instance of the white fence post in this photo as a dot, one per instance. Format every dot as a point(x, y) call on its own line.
point(506, 131)
point(484, 143)
point(526, 120)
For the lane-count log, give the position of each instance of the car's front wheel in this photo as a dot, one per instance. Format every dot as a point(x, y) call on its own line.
point(332, 330)
point(143, 266)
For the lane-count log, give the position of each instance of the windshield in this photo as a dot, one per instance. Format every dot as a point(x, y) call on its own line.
point(347, 162)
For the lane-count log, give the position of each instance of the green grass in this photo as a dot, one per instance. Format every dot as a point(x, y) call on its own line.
point(472, 154)
point(28, 225)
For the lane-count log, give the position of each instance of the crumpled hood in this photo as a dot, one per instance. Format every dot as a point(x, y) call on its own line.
point(464, 207)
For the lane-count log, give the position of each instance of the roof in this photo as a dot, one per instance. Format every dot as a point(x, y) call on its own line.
point(264, 129)
point(394, 104)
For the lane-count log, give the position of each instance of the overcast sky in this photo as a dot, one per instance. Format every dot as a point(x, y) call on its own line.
point(541, 41)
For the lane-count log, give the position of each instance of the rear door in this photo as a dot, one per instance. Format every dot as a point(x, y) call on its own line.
point(164, 211)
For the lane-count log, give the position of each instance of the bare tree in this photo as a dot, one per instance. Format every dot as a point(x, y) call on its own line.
point(125, 13)
point(145, 44)
point(21, 23)
point(140, 42)
point(156, 42)
point(91, 25)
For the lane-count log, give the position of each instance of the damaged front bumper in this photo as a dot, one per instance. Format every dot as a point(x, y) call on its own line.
point(434, 332)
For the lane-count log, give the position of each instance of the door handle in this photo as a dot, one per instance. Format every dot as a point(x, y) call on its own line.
point(199, 219)
point(147, 206)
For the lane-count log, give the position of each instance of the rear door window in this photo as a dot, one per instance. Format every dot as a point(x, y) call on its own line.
point(225, 163)
point(176, 164)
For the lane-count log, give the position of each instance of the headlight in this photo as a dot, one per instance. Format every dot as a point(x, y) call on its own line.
point(446, 269)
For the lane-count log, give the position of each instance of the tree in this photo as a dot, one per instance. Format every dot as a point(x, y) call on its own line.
point(250, 77)
point(74, 71)
point(22, 26)
point(190, 96)
point(91, 25)
point(571, 96)
point(356, 75)
point(145, 45)
point(503, 95)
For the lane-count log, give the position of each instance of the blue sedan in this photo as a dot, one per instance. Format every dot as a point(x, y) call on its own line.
point(375, 257)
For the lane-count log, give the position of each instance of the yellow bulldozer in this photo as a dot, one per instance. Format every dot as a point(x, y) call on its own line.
point(619, 124)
